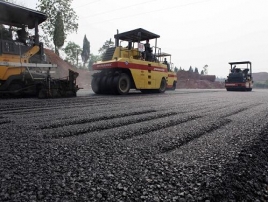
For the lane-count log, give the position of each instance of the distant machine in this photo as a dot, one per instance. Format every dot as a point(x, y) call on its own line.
point(23, 66)
point(240, 77)
point(131, 64)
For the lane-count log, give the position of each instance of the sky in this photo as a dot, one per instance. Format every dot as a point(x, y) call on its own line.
point(195, 32)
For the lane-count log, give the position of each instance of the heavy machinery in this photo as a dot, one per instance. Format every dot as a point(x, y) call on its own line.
point(23, 66)
point(240, 78)
point(172, 76)
point(131, 64)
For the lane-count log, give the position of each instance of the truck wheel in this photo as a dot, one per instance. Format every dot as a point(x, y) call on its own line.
point(123, 84)
point(163, 86)
point(95, 85)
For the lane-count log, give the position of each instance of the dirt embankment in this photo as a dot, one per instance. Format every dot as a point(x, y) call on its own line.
point(192, 80)
point(62, 71)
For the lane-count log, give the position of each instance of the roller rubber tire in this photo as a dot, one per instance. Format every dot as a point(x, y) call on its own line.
point(95, 85)
point(123, 84)
point(163, 86)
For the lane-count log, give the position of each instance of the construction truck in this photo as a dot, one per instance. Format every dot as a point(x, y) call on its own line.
point(23, 66)
point(131, 64)
point(172, 76)
point(240, 77)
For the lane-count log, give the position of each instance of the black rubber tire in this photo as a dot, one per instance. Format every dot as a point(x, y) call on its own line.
point(123, 84)
point(249, 89)
point(95, 84)
point(163, 86)
point(114, 84)
point(103, 85)
point(110, 84)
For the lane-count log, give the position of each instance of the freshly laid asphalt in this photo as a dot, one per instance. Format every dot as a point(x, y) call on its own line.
point(183, 145)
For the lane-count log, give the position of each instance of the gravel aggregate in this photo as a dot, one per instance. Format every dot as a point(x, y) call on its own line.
point(184, 145)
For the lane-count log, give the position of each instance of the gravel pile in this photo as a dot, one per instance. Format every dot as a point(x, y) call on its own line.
point(179, 146)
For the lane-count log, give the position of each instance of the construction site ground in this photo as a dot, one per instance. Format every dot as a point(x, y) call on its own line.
point(183, 145)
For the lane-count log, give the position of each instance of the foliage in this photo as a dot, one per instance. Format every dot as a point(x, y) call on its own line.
point(72, 51)
point(52, 8)
point(86, 50)
point(205, 69)
point(176, 69)
point(196, 70)
point(202, 72)
point(105, 46)
point(58, 35)
point(190, 69)
point(93, 58)
point(261, 85)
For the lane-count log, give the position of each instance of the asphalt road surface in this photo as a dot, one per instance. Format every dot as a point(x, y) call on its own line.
point(184, 145)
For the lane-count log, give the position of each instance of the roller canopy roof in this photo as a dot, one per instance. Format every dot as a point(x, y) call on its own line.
point(163, 54)
point(14, 15)
point(238, 63)
point(136, 35)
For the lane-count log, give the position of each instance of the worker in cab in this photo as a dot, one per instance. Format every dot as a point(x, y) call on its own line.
point(148, 51)
point(166, 63)
point(22, 36)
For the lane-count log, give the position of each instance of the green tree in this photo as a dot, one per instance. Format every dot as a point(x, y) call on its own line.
point(72, 51)
point(205, 68)
point(105, 46)
point(190, 69)
point(58, 35)
point(176, 69)
point(202, 72)
point(266, 82)
point(52, 8)
point(86, 50)
point(196, 70)
point(93, 58)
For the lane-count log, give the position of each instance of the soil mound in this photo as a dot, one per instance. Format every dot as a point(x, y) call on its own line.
point(62, 71)
point(193, 80)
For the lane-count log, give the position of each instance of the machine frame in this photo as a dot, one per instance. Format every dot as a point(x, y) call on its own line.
point(22, 61)
point(124, 68)
point(239, 79)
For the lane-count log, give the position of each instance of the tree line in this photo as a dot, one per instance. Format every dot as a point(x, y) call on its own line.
point(204, 71)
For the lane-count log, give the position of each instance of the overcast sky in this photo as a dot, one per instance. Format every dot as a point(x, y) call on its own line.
point(195, 32)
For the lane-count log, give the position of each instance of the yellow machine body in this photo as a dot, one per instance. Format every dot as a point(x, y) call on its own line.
point(7, 71)
point(145, 74)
